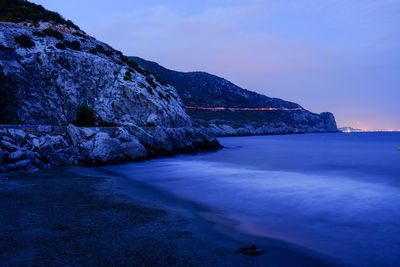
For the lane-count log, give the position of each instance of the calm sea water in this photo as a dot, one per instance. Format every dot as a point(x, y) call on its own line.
point(338, 194)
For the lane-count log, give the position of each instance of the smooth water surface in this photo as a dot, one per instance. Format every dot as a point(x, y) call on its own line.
point(338, 194)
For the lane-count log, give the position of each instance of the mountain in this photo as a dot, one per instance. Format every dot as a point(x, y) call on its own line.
point(349, 129)
point(200, 89)
point(50, 70)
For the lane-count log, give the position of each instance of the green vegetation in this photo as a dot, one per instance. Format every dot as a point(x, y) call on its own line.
point(93, 51)
point(134, 65)
point(150, 81)
point(39, 34)
point(142, 85)
point(123, 58)
point(21, 11)
point(54, 34)
point(128, 76)
point(100, 49)
point(202, 123)
point(24, 41)
point(160, 81)
point(85, 117)
point(150, 90)
point(76, 45)
point(60, 46)
point(165, 97)
point(109, 53)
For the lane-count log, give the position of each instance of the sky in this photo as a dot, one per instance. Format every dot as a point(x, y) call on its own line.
point(341, 56)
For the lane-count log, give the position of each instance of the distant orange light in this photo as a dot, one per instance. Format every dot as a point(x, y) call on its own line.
point(225, 108)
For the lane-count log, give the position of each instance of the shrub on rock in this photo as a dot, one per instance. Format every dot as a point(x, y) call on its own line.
point(60, 46)
point(54, 34)
point(85, 117)
point(127, 76)
point(76, 45)
point(39, 34)
point(24, 41)
point(151, 82)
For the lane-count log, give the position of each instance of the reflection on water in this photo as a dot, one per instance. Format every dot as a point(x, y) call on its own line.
point(335, 193)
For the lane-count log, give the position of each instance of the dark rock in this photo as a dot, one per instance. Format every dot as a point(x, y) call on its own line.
point(23, 164)
point(17, 135)
point(32, 155)
point(8, 146)
point(251, 250)
point(200, 89)
point(133, 150)
point(15, 156)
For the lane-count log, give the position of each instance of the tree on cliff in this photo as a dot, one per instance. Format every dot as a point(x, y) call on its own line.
point(85, 117)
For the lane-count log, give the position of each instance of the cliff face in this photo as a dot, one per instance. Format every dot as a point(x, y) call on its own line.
point(201, 89)
point(47, 82)
point(24, 149)
point(48, 71)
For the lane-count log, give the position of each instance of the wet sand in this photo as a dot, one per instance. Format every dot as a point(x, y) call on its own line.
point(86, 216)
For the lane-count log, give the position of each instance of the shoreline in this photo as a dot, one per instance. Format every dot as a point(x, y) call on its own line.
point(30, 148)
point(212, 224)
point(85, 216)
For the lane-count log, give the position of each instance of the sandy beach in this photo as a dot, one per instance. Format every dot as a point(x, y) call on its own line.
point(86, 216)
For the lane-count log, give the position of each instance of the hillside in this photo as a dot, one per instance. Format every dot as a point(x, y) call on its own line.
point(200, 89)
point(50, 70)
point(24, 11)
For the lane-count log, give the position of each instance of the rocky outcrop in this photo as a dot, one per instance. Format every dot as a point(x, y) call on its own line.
point(92, 146)
point(221, 128)
point(46, 82)
point(48, 71)
point(200, 89)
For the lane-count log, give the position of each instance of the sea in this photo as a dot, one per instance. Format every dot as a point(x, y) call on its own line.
point(334, 193)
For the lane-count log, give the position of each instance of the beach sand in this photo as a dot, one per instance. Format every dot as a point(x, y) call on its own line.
point(86, 216)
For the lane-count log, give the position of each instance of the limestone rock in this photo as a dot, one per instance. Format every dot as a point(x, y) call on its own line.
point(106, 149)
point(45, 86)
point(134, 150)
point(70, 78)
point(8, 146)
point(17, 135)
point(15, 156)
point(88, 133)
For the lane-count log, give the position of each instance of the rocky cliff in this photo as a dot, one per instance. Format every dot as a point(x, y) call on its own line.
point(200, 89)
point(71, 146)
point(49, 69)
point(50, 73)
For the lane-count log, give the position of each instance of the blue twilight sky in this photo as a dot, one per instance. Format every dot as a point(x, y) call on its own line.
point(341, 56)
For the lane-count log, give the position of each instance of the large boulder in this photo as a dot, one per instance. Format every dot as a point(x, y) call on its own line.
point(106, 149)
point(134, 150)
point(15, 156)
point(8, 146)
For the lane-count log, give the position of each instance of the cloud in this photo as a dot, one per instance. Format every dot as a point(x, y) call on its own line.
point(213, 40)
